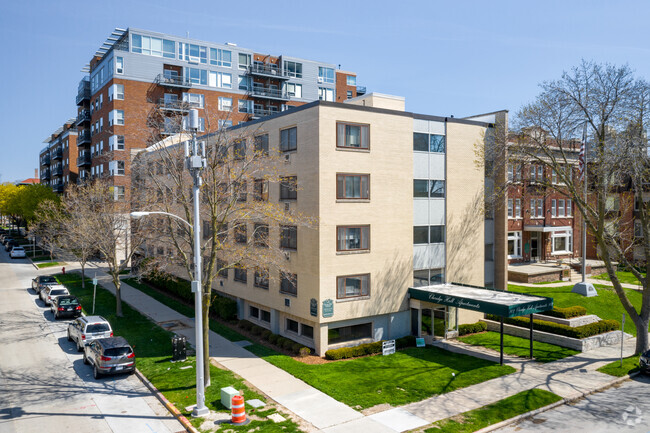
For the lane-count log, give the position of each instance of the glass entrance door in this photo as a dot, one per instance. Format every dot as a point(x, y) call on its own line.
point(440, 323)
point(534, 247)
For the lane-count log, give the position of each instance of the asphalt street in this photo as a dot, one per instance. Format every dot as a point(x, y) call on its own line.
point(624, 408)
point(44, 385)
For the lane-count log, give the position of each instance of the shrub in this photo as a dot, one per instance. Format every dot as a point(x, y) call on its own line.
point(266, 334)
point(245, 325)
point(295, 347)
point(579, 332)
point(273, 338)
point(566, 313)
point(352, 352)
point(404, 342)
point(472, 328)
point(167, 283)
point(304, 351)
point(225, 308)
point(257, 330)
point(286, 343)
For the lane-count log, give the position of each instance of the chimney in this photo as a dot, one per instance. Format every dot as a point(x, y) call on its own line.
point(36, 173)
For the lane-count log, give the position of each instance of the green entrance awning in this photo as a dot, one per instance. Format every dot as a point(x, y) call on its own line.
point(505, 304)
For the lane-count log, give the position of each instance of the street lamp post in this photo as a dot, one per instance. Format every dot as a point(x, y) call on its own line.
point(195, 162)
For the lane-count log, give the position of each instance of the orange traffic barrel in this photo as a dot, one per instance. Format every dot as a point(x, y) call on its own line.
point(238, 411)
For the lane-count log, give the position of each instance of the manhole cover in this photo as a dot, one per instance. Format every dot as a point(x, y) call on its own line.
point(172, 325)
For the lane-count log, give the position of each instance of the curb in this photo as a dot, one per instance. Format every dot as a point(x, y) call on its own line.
point(556, 404)
point(170, 407)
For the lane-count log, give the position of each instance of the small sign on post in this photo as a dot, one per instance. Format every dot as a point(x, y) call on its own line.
point(622, 337)
point(94, 291)
point(388, 347)
point(419, 342)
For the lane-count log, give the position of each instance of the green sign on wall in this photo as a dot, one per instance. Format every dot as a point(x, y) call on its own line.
point(313, 307)
point(328, 308)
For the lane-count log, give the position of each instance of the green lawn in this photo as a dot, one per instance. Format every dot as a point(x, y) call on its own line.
point(409, 375)
point(48, 264)
point(542, 352)
point(630, 365)
point(496, 412)
point(623, 276)
point(548, 282)
point(606, 305)
point(152, 346)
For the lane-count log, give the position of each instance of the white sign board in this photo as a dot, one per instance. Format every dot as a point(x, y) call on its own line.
point(388, 347)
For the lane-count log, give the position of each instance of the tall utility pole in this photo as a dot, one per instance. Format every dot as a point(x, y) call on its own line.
point(195, 161)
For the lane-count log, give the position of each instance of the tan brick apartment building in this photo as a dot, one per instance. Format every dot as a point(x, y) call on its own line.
point(398, 204)
point(139, 83)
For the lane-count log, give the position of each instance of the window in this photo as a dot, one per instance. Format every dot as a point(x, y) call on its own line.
point(254, 312)
point(352, 186)
point(261, 278)
point(261, 190)
point(353, 238)
point(261, 235)
point(265, 316)
point(153, 46)
point(536, 208)
point(353, 286)
point(562, 242)
point(292, 326)
point(116, 142)
point(220, 57)
point(352, 136)
point(116, 168)
point(437, 143)
point(517, 208)
point(220, 79)
point(116, 91)
point(293, 69)
point(194, 100)
point(325, 75)
point(169, 49)
point(245, 106)
point(560, 208)
point(514, 173)
point(262, 144)
point(294, 90)
point(118, 193)
point(244, 61)
point(241, 236)
point(119, 65)
point(420, 235)
point(437, 234)
point(325, 94)
point(207, 230)
point(638, 229)
point(241, 275)
point(569, 208)
point(239, 149)
point(197, 76)
point(437, 188)
point(514, 245)
point(289, 284)
point(511, 210)
point(307, 331)
point(349, 333)
point(288, 188)
point(116, 117)
point(222, 123)
point(426, 277)
point(289, 139)
point(348, 94)
point(244, 83)
point(225, 104)
point(351, 80)
point(289, 237)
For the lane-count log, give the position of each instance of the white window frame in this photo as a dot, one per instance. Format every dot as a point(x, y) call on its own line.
point(511, 208)
point(325, 94)
point(568, 235)
point(119, 65)
point(116, 117)
point(195, 100)
point(560, 208)
point(516, 238)
point(225, 104)
point(518, 208)
point(638, 229)
point(294, 90)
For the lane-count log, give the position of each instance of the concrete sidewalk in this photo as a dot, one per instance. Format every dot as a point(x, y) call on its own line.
point(577, 280)
point(570, 378)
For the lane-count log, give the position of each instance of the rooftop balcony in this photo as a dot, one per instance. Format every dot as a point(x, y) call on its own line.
point(45, 174)
point(83, 94)
point(57, 187)
point(175, 105)
point(83, 137)
point(361, 90)
point(84, 159)
point(83, 116)
point(262, 112)
point(268, 70)
point(172, 81)
point(57, 153)
point(267, 92)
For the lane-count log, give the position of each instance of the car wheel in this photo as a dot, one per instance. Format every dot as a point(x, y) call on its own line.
point(69, 338)
point(85, 359)
point(79, 348)
point(96, 373)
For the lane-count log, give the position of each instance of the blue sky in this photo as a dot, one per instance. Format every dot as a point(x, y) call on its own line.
point(447, 58)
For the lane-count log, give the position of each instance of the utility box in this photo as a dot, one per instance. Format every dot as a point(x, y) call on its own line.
point(226, 396)
point(179, 348)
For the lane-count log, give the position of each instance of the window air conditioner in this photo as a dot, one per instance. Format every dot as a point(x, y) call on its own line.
point(287, 254)
point(287, 206)
point(320, 80)
point(287, 158)
point(287, 302)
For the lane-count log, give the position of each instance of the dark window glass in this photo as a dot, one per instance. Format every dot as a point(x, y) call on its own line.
point(241, 275)
point(353, 238)
point(349, 333)
point(261, 235)
point(420, 188)
point(289, 284)
point(289, 188)
point(240, 189)
point(288, 139)
point(420, 142)
point(352, 136)
point(307, 331)
point(352, 286)
point(254, 312)
point(262, 278)
point(437, 234)
point(261, 191)
point(117, 351)
point(352, 186)
point(421, 235)
point(97, 327)
point(292, 326)
point(289, 237)
point(240, 234)
point(221, 267)
point(262, 144)
point(265, 316)
point(437, 143)
point(438, 188)
point(239, 149)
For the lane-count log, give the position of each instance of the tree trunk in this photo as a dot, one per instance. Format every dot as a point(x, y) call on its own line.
point(641, 334)
point(205, 305)
point(83, 275)
point(118, 297)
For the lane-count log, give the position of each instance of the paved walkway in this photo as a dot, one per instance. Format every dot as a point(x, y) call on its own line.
point(570, 378)
point(577, 280)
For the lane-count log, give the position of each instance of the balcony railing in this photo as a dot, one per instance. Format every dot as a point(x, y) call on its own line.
point(262, 112)
point(83, 116)
point(268, 70)
point(57, 153)
point(57, 187)
point(57, 171)
point(45, 174)
point(45, 160)
point(84, 159)
point(172, 81)
point(176, 105)
point(83, 137)
point(83, 93)
point(361, 90)
point(269, 93)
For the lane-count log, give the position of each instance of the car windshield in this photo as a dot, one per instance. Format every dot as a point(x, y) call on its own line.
point(97, 327)
point(46, 280)
point(68, 301)
point(117, 351)
point(58, 292)
point(18, 249)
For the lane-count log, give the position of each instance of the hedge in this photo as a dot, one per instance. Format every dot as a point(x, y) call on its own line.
point(367, 349)
point(579, 332)
point(275, 339)
point(566, 313)
point(472, 328)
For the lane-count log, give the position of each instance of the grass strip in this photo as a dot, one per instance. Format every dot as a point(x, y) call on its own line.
point(183, 309)
point(152, 346)
point(630, 365)
point(409, 375)
point(625, 277)
point(47, 265)
point(606, 305)
point(502, 410)
point(517, 346)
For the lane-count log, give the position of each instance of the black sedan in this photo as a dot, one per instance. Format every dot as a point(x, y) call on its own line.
point(644, 362)
point(65, 306)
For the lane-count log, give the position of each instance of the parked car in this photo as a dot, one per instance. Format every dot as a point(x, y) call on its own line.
point(9, 244)
point(109, 356)
point(65, 306)
point(40, 282)
point(52, 291)
point(6, 239)
point(644, 362)
point(88, 328)
point(17, 253)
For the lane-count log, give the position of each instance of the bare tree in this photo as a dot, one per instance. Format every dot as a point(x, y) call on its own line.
point(47, 226)
point(613, 107)
point(241, 227)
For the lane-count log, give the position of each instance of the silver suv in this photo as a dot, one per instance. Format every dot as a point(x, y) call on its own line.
point(88, 328)
point(110, 356)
